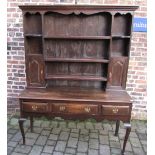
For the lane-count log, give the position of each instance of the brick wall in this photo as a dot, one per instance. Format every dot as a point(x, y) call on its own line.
point(137, 74)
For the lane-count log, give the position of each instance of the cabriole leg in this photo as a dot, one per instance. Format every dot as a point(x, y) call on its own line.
point(21, 122)
point(117, 127)
point(128, 130)
point(31, 123)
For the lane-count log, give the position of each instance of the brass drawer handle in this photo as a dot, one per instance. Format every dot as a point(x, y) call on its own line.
point(115, 110)
point(34, 108)
point(62, 108)
point(87, 109)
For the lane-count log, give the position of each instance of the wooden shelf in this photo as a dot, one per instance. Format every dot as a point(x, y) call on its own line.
point(32, 35)
point(33, 54)
point(94, 60)
point(75, 77)
point(119, 54)
point(78, 37)
point(117, 36)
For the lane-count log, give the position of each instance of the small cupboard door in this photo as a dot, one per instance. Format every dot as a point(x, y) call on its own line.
point(117, 72)
point(35, 71)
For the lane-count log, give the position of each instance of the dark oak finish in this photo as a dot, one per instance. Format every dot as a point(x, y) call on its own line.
point(117, 127)
point(34, 107)
point(75, 108)
point(128, 130)
point(35, 71)
point(117, 72)
point(77, 60)
point(115, 110)
point(76, 94)
point(21, 122)
point(76, 63)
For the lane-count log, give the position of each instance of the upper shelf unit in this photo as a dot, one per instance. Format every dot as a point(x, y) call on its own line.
point(97, 25)
point(77, 45)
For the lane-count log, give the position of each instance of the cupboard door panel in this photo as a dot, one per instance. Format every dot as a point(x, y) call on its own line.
point(35, 71)
point(117, 72)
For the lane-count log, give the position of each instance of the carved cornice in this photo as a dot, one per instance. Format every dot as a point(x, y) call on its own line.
point(78, 9)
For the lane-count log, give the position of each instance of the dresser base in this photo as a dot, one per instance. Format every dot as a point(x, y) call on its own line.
point(81, 104)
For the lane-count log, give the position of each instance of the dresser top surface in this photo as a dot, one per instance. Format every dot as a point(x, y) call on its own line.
point(75, 94)
point(79, 6)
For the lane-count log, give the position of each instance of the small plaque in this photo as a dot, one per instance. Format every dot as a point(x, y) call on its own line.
point(140, 24)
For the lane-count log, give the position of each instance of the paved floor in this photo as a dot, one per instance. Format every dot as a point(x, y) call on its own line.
point(59, 137)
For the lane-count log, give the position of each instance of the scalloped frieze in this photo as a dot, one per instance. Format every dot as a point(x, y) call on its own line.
point(32, 12)
point(77, 12)
point(122, 13)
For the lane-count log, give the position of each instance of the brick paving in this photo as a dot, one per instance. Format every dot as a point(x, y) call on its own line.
point(60, 137)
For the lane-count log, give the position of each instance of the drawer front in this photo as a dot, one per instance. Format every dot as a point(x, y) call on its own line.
point(34, 107)
point(115, 110)
point(75, 108)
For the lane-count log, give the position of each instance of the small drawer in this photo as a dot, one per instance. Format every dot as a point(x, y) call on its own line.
point(75, 108)
point(34, 107)
point(115, 110)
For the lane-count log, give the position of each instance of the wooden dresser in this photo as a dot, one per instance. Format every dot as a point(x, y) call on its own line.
point(76, 63)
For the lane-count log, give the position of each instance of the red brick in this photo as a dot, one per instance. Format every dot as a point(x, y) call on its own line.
point(129, 89)
point(15, 15)
point(11, 0)
point(110, 1)
point(13, 4)
point(135, 53)
point(140, 81)
point(141, 14)
point(138, 68)
point(137, 94)
point(140, 73)
point(139, 89)
point(142, 64)
point(96, 1)
point(12, 61)
point(18, 57)
point(11, 9)
point(140, 59)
